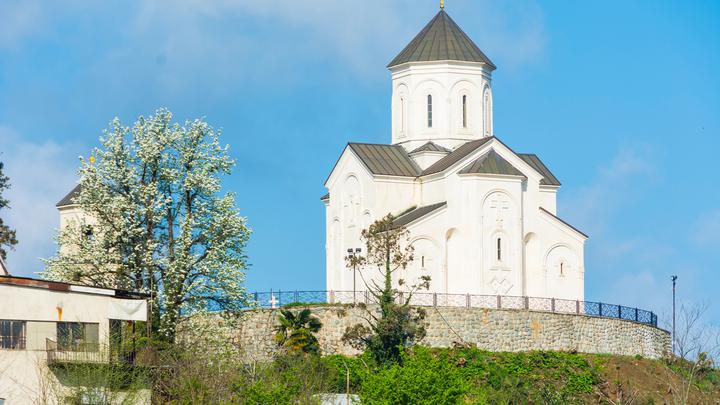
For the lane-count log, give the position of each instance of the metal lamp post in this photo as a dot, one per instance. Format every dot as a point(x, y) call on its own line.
point(351, 254)
point(674, 279)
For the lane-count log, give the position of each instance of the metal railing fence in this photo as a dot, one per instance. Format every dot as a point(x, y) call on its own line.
point(277, 299)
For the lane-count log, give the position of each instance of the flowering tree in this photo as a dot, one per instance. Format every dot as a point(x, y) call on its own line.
point(156, 220)
point(7, 235)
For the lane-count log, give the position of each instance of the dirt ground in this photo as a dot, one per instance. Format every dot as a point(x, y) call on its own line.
point(627, 380)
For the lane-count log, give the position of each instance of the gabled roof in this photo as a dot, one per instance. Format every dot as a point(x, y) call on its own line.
point(68, 199)
point(416, 213)
point(563, 222)
point(491, 163)
point(390, 160)
point(548, 179)
point(430, 147)
point(456, 155)
point(441, 39)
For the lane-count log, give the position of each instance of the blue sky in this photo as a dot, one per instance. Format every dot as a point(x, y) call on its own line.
point(621, 99)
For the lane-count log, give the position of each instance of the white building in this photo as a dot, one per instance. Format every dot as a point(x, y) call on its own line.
point(482, 218)
point(45, 325)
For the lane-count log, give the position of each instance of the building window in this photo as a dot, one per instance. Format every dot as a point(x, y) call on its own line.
point(422, 262)
point(464, 111)
point(429, 111)
point(12, 335)
point(562, 268)
point(402, 115)
point(78, 336)
point(499, 249)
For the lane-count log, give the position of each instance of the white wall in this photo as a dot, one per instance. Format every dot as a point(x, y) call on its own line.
point(460, 240)
point(447, 82)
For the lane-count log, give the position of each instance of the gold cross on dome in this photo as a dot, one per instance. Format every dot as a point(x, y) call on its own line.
point(442, 4)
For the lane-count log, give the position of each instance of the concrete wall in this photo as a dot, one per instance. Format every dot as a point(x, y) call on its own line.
point(489, 329)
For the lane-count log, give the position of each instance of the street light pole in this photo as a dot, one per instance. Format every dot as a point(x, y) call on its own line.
point(674, 279)
point(352, 254)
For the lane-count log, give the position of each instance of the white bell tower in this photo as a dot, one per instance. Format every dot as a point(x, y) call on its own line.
point(441, 88)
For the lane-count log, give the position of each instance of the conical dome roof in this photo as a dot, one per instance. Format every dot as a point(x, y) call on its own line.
point(441, 39)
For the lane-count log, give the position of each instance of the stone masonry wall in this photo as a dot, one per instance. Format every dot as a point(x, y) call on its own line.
point(488, 329)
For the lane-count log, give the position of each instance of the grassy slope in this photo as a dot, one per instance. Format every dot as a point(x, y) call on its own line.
point(468, 375)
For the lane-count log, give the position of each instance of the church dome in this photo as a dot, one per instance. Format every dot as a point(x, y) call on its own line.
point(441, 39)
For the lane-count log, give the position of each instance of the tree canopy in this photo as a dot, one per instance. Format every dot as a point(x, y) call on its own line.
point(156, 219)
point(7, 235)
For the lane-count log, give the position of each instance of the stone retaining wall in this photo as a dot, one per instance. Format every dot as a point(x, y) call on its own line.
point(488, 329)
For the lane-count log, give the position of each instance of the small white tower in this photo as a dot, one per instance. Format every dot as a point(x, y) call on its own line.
point(441, 88)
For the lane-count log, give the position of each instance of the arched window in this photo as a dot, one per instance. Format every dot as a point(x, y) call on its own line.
point(562, 268)
point(429, 111)
point(464, 111)
point(499, 249)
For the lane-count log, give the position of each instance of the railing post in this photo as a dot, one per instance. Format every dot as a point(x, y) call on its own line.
point(577, 306)
point(367, 298)
point(296, 297)
point(636, 314)
point(499, 302)
point(255, 296)
point(600, 308)
point(552, 304)
point(467, 300)
point(279, 298)
point(434, 299)
point(527, 303)
point(620, 311)
point(332, 297)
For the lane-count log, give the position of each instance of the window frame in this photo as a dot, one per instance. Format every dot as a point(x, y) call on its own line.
point(429, 111)
point(13, 342)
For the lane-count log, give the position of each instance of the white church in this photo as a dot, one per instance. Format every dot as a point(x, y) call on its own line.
point(482, 218)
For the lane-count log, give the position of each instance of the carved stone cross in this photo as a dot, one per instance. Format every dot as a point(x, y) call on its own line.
point(500, 204)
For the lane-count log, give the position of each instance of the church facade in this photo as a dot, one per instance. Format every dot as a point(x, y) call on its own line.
point(482, 218)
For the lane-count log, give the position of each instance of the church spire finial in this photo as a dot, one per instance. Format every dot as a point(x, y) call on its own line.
point(442, 4)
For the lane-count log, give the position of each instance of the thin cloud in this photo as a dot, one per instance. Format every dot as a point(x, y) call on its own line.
point(40, 174)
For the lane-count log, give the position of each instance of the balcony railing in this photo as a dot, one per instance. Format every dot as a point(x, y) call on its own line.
point(276, 299)
point(76, 352)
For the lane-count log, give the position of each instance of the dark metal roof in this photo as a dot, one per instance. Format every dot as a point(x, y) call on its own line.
point(430, 147)
point(456, 155)
point(491, 163)
point(441, 39)
point(549, 179)
point(62, 286)
point(390, 160)
point(68, 199)
point(565, 223)
point(416, 213)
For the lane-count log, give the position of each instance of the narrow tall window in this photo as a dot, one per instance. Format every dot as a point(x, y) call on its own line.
point(429, 111)
point(499, 249)
point(402, 115)
point(422, 260)
point(562, 268)
point(464, 111)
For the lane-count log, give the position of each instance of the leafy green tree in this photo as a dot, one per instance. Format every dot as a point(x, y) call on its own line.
point(296, 331)
point(398, 324)
point(7, 235)
point(157, 221)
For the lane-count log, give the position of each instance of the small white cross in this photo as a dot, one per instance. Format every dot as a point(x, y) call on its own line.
point(273, 301)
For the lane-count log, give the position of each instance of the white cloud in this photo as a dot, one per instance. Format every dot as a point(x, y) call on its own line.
point(40, 175)
point(18, 20)
point(593, 206)
point(706, 232)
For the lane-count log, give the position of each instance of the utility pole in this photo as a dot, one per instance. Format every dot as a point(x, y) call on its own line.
point(674, 279)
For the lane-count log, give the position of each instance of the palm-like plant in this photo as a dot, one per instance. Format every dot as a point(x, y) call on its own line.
point(295, 331)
